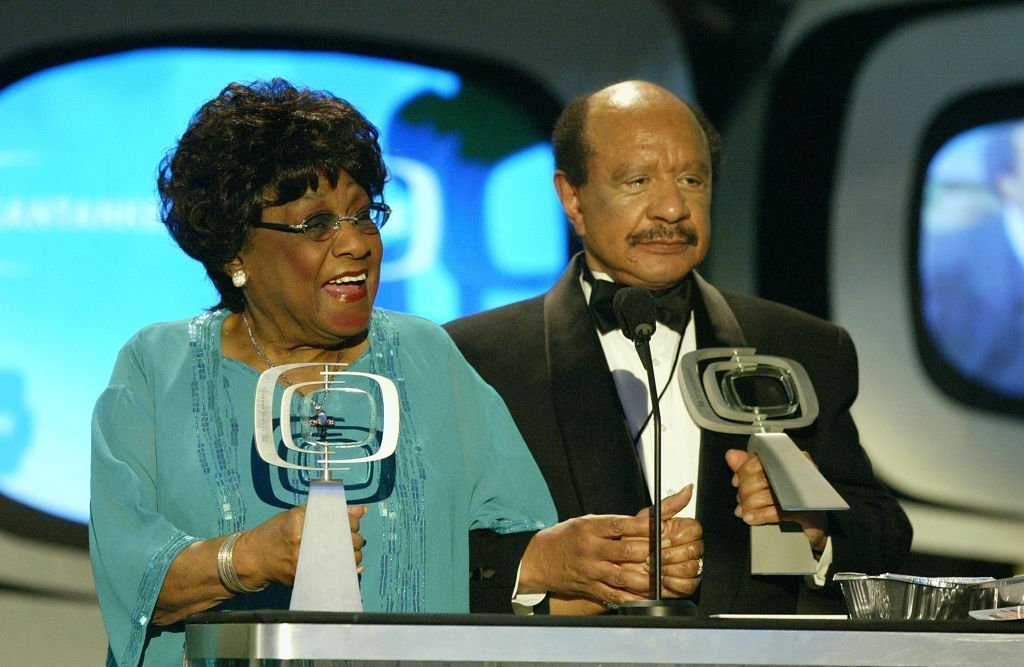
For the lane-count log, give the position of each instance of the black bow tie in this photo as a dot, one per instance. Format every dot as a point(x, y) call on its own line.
point(672, 304)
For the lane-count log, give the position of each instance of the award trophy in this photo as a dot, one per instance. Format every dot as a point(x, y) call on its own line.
point(324, 416)
point(734, 390)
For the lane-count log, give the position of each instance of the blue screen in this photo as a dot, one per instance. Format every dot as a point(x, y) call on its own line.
point(84, 261)
point(972, 255)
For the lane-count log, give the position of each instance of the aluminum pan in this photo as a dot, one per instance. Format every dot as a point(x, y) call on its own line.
point(903, 597)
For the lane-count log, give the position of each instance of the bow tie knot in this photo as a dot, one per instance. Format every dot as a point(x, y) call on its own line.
point(672, 304)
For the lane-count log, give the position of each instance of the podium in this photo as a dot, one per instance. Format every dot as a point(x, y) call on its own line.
point(321, 639)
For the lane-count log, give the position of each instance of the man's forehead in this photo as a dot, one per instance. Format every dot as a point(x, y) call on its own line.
point(637, 111)
point(644, 131)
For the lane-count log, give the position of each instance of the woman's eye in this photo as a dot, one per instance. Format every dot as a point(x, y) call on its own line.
point(320, 223)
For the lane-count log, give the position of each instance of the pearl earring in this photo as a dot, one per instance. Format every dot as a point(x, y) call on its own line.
point(238, 278)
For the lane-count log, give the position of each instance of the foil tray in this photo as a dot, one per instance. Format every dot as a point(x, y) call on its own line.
point(900, 597)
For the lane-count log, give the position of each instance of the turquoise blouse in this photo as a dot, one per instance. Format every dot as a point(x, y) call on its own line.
point(174, 462)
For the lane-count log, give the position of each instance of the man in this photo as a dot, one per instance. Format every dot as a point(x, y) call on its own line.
point(973, 276)
point(634, 173)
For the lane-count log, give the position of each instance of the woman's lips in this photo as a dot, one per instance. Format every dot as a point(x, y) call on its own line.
point(347, 287)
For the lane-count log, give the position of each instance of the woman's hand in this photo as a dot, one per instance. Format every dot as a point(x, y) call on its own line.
point(269, 552)
point(265, 554)
point(271, 549)
point(354, 515)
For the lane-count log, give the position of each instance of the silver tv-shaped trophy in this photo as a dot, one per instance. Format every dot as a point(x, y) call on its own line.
point(734, 390)
point(322, 416)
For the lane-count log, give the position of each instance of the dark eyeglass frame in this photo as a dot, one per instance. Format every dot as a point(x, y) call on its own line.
point(367, 220)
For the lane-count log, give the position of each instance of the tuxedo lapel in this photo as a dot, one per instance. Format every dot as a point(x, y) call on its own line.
point(589, 414)
point(720, 326)
point(726, 537)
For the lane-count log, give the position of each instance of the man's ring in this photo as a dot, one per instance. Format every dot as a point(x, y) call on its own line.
point(700, 566)
point(610, 605)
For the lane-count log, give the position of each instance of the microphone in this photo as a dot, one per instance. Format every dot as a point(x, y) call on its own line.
point(636, 315)
point(635, 312)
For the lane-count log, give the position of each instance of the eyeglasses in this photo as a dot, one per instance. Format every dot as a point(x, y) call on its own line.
point(323, 224)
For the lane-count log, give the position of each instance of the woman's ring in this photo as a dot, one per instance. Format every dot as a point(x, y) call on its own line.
point(700, 566)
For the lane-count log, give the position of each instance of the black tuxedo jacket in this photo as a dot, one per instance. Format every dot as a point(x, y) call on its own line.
point(544, 358)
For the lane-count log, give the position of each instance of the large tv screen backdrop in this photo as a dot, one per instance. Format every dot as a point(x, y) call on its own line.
point(84, 261)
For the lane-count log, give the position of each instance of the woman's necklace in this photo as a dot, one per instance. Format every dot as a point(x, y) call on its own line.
point(255, 345)
point(263, 355)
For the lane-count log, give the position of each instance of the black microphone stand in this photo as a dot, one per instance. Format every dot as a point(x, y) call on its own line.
point(641, 336)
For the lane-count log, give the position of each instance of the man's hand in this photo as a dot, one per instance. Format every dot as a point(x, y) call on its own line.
point(756, 503)
point(604, 558)
point(682, 546)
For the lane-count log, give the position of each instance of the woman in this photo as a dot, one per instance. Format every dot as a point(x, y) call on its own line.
point(277, 191)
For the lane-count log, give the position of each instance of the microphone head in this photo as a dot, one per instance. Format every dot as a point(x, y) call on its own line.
point(635, 312)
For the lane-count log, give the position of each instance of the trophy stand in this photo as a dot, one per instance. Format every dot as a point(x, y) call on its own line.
point(325, 576)
point(326, 539)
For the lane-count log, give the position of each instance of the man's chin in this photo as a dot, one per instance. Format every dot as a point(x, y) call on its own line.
point(659, 275)
point(675, 265)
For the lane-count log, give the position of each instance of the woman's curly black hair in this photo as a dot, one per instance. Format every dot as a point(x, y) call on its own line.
point(251, 142)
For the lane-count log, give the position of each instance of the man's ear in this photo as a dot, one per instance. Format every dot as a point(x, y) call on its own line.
point(569, 197)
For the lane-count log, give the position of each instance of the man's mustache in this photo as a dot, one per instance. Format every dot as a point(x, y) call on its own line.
point(665, 233)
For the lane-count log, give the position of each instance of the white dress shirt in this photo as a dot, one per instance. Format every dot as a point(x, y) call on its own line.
point(680, 437)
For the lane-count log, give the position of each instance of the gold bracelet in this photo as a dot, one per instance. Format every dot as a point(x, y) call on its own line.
point(226, 568)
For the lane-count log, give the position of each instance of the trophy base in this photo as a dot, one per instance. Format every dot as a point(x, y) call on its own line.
point(672, 607)
point(325, 576)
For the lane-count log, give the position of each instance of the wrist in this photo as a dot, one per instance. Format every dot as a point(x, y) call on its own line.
point(531, 570)
point(231, 576)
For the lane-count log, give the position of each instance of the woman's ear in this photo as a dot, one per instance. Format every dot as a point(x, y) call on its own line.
point(235, 270)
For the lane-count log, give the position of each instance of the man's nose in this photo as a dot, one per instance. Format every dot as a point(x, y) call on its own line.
point(668, 203)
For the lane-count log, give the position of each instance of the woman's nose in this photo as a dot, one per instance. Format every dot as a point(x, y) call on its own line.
point(348, 240)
